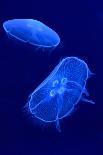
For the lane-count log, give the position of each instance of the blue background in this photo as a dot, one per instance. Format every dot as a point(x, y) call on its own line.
point(22, 69)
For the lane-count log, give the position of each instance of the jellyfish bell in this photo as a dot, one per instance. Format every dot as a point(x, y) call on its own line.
point(33, 32)
point(57, 96)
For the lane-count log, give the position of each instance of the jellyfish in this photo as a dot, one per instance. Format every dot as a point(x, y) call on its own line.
point(57, 96)
point(32, 31)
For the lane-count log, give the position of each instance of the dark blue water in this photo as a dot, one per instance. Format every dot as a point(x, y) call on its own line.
point(80, 26)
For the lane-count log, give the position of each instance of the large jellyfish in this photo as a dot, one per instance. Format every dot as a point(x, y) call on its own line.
point(57, 96)
point(32, 31)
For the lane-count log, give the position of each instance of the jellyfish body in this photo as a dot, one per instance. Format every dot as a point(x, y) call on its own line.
point(56, 97)
point(32, 31)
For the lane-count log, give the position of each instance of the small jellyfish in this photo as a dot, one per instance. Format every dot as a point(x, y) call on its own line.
point(32, 31)
point(57, 96)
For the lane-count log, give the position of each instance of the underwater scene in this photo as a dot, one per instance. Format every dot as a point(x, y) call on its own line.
point(51, 77)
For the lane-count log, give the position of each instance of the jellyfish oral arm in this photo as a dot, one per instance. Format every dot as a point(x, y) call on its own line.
point(59, 106)
point(87, 100)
